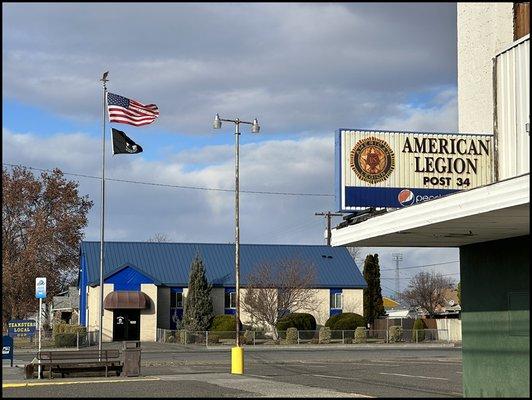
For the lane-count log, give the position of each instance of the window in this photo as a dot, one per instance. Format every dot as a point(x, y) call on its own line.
point(336, 300)
point(230, 299)
point(176, 300)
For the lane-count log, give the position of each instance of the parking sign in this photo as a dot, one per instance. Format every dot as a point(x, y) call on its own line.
point(40, 288)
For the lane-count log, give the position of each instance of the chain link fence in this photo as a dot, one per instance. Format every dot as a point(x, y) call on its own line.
point(81, 340)
point(295, 337)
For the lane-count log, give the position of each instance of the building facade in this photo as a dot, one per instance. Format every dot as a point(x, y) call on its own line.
point(145, 284)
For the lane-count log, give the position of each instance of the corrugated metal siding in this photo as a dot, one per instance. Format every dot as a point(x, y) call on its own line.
point(170, 263)
point(513, 110)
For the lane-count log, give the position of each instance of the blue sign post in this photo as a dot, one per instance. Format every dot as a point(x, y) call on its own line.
point(40, 293)
point(7, 348)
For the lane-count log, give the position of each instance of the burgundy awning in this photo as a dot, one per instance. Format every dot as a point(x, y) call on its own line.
point(126, 299)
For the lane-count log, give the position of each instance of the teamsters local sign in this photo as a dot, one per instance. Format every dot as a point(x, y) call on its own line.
point(397, 169)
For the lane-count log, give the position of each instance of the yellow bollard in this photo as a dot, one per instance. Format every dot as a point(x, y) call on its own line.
point(237, 360)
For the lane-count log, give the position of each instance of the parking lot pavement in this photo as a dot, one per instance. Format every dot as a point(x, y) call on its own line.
point(331, 373)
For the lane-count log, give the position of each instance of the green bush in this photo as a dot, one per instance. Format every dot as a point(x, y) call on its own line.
point(291, 336)
point(395, 334)
point(224, 323)
point(418, 327)
point(68, 328)
point(186, 337)
point(345, 321)
point(360, 335)
point(65, 340)
point(214, 338)
point(300, 321)
point(325, 335)
point(169, 337)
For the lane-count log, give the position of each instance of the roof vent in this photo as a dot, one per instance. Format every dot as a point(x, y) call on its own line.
point(324, 256)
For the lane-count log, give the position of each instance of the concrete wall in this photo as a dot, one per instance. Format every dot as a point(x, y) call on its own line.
point(483, 29)
point(93, 302)
point(163, 307)
point(496, 318)
point(148, 316)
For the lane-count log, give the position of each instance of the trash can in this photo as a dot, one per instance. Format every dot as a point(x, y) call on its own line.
point(131, 358)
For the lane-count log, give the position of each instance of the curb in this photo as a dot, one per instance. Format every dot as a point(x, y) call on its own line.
point(20, 383)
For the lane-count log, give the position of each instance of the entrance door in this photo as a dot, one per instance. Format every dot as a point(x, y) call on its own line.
point(126, 325)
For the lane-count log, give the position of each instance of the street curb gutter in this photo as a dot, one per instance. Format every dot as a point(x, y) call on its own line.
point(11, 385)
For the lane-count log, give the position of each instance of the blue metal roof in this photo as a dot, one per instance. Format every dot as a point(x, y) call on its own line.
point(169, 263)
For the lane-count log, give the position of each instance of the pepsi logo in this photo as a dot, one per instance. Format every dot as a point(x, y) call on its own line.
point(405, 197)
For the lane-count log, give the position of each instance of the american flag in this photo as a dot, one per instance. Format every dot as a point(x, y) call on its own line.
point(127, 111)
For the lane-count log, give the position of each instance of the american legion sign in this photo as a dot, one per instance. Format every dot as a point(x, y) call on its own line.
point(397, 169)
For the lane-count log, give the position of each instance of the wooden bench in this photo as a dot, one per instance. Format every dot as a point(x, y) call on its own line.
point(80, 360)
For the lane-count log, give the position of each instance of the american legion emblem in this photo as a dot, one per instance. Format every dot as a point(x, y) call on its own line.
point(372, 160)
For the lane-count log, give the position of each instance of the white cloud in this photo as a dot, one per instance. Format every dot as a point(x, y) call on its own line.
point(298, 67)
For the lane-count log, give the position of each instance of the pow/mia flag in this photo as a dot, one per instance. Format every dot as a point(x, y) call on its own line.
point(124, 145)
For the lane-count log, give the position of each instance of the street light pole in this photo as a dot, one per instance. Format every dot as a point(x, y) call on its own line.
point(237, 356)
point(237, 230)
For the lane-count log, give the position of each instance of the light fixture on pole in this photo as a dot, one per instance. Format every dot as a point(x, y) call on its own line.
point(237, 353)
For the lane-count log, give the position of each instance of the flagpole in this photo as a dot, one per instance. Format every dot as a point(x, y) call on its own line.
point(104, 80)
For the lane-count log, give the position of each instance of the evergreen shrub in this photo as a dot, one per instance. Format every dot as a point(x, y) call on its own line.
point(300, 321)
point(360, 335)
point(214, 338)
point(395, 334)
point(65, 340)
point(198, 310)
point(224, 323)
point(291, 336)
point(345, 321)
point(418, 327)
point(325, 335)
point(169, 337)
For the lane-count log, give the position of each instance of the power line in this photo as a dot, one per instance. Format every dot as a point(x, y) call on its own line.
point(456, 273)
point(421, 266)
point(179, 186)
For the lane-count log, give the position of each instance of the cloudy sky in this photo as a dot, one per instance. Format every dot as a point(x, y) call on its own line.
point(303, 69)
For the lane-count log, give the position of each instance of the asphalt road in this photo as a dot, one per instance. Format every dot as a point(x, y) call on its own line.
point(374, 372)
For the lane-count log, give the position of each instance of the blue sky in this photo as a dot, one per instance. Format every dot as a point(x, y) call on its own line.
point(316, 68)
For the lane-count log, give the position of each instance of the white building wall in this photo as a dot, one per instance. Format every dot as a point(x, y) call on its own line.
point(148, 316)
point(513, 110)
point(353, 301)
point(320, 309)
point(483, 29)
point(93, 302)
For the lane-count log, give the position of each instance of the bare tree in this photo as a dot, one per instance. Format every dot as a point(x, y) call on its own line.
point(42, 225)
point(354, 252)
point(275, 290)
point(427, 290)
point(159, 238)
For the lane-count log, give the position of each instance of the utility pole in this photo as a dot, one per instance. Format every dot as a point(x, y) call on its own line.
point(328, 215)
point(397, 257)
